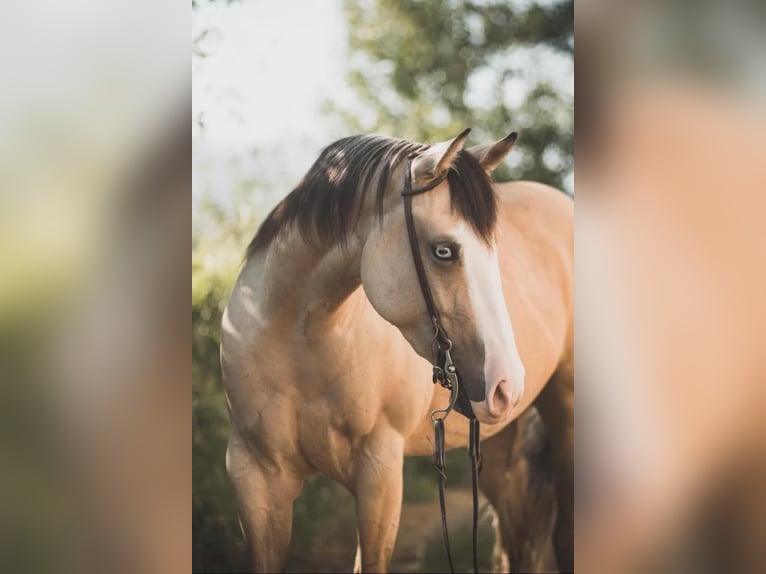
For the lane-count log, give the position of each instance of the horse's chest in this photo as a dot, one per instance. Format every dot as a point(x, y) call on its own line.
point(334, 414)
point(346, 396)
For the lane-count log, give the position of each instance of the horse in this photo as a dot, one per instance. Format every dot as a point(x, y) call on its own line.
point(326, 341)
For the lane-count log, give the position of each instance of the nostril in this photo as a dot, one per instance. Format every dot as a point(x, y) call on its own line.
point(501, 399)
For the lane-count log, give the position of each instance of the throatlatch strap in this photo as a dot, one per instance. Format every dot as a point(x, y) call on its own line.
point(438, 462)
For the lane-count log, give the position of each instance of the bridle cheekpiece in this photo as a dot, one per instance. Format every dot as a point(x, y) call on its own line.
point(444, 371)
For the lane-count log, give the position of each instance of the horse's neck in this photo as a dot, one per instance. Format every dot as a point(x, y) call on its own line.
point(308, 287)
point(303, 296)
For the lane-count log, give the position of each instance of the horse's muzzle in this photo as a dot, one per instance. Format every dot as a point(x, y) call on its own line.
point(501, 399)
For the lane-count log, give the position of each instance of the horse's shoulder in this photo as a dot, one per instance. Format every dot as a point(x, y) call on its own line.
point(538, 221)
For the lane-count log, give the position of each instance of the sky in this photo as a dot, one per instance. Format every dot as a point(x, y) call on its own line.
point(261, 87)
point(263, 70)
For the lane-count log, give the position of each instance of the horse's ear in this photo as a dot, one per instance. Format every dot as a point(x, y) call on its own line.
point(438, 158)
point(491, 155)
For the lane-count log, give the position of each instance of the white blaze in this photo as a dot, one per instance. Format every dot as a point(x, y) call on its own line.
point(501, 356)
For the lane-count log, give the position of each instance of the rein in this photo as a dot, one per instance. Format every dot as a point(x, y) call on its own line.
point(446, 374)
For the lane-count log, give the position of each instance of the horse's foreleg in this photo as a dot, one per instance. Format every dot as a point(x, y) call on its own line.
point(556, 406)
point(265, 494)
point(378, 492)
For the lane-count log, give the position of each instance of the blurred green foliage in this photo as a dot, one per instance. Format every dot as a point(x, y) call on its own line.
point(461, 545)
point(414, 65)
point(427, 69)
point(216, 540)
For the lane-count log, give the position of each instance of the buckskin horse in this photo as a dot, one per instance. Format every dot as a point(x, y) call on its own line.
point(328, 337)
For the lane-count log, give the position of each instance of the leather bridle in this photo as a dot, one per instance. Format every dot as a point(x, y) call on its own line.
point(445, 373)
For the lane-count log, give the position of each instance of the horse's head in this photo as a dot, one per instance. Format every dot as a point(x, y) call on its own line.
point(455, 224)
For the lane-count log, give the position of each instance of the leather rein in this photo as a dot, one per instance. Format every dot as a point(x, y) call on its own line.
point(446, 374)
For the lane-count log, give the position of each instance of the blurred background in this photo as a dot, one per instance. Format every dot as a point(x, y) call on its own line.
point(670, 251)
point(274, 83)
point(94, 234)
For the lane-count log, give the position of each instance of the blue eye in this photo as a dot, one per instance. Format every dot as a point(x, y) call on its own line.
point(444, 252)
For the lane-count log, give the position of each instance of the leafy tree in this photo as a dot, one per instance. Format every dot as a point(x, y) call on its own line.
point(425, 70)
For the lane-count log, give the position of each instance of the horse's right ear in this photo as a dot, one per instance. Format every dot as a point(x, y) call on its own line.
point(492, 155)
point(437, 159)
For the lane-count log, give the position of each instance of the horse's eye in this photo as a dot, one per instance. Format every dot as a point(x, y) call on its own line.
point(444, 252)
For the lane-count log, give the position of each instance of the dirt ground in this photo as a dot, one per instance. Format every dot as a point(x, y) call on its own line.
point(419, 546)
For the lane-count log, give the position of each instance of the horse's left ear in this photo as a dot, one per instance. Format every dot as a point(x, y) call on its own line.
point(437, 159)
point(492, 155)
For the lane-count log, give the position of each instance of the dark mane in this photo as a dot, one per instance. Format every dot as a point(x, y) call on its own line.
point(326, 203)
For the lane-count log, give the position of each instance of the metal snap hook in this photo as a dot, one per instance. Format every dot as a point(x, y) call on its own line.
point(453, 388)
point(440, 343)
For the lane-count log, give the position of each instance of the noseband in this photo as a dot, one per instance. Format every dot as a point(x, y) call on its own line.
point(445, 373)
